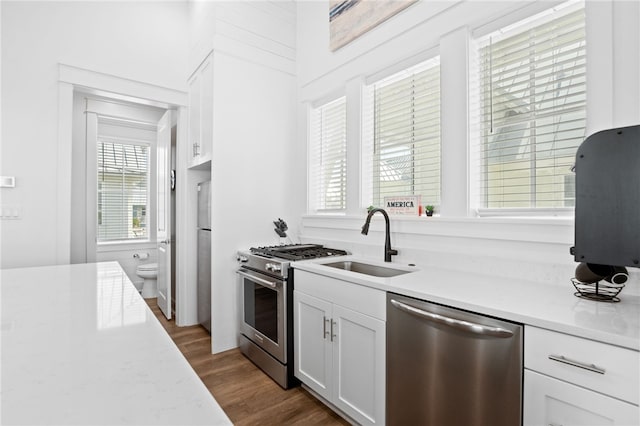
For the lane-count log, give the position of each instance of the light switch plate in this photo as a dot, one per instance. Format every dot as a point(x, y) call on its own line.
point(7, 181)
point(10, 212)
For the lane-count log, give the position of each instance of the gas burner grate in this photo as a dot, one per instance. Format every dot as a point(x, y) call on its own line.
point(298, 251)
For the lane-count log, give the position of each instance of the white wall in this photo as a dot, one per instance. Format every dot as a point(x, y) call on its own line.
point(447, 28)
point(1, 154)
point(250, 174)
point(613, 55)
point(141, 41)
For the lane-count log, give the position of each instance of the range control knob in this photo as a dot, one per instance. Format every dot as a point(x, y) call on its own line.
point(242, 259)
point(273, 267)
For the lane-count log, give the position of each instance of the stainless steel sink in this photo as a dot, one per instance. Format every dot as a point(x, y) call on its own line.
point(367, 269)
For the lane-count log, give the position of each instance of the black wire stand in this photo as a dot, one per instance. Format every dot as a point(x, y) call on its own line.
point(598, 291)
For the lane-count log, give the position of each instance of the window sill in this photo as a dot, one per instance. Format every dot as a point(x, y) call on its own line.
point(125, 245)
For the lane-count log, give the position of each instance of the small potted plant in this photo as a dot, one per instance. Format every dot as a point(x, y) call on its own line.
point(371, 207)
point(429, 209)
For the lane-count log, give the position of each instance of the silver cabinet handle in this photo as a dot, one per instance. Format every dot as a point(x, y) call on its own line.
point(324, 327)
point(470, 327)
point(258, 280)
point(332, 324)
point(564, 360)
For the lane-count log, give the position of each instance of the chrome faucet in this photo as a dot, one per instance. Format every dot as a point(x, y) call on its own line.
point(388, 251)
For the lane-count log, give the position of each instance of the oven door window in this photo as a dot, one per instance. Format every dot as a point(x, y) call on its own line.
point(261, 308)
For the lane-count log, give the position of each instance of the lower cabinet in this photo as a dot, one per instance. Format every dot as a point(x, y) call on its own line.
point(553, 402)
point(340, 355)
point(572, 381)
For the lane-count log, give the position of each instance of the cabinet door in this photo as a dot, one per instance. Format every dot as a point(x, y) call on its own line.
point(206, 109)
point(194, 115)
point(359, 365)
point(549, 401)
point(312, 344)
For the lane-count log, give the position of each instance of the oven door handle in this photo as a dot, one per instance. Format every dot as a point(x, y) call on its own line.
point(258, 280)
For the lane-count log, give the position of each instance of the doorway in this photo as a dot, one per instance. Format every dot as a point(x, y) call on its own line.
point(126, 198)
point(71, 201)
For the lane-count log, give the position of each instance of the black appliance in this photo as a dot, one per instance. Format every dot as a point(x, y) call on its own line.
point(266, 305)
point(607, 217)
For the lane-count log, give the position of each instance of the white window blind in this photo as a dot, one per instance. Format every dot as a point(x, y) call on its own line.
point(533, 110)
point(123, 187)
point(401, 149)
point(328, 177)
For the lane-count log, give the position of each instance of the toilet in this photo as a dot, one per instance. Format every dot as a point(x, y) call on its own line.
point(148, 271)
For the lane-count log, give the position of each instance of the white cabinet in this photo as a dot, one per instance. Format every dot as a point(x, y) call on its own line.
point(340, 351)
point(569, 380)
point(201, 113)
point(313, 348)
point(358, 365)
point(549, 401)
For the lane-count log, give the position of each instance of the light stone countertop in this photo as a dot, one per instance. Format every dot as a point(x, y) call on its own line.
point(79, 346)
point(552, 307)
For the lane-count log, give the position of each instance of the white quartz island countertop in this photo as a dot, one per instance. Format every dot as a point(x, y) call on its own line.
point(550, 306)
point(79, 346)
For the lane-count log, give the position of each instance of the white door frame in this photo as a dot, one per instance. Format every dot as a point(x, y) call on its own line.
point(73, 78)
point(163, 212)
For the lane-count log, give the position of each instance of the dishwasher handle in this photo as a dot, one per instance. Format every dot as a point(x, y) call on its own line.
point(470, 327)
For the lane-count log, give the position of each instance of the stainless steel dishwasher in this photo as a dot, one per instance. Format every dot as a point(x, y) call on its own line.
point(446, 366)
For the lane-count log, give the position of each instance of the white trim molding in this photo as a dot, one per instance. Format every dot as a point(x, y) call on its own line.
point(554, 230)
point(122, 88)
point(63, 174)
point(72, 78)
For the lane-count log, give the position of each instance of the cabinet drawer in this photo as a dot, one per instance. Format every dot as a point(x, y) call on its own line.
point(594, 365)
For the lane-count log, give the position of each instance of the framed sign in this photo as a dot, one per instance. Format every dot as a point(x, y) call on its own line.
point(408, 205)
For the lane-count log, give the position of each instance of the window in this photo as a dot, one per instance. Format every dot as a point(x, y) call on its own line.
point(533, 110)
point(328, 178)
point(401, 150)
point(123, 187)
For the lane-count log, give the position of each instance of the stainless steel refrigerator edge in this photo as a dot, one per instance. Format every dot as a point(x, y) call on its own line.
point(204, 254)
point(451, 367)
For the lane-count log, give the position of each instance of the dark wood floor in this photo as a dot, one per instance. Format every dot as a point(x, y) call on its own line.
point(244, 392)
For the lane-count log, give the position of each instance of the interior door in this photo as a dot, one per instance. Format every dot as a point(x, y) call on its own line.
point(163, 173)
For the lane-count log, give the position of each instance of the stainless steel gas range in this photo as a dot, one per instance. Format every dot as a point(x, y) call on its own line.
point(266, 298)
